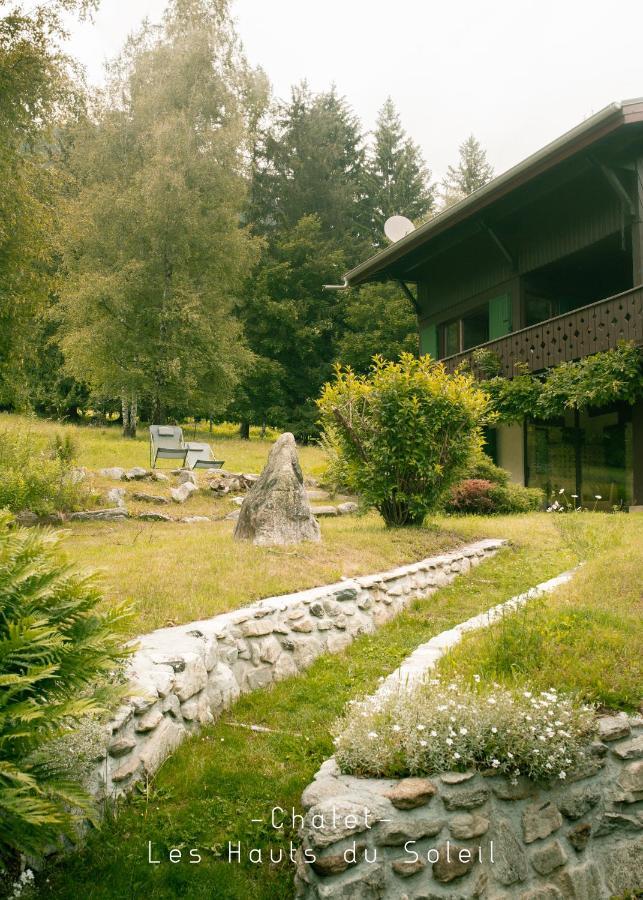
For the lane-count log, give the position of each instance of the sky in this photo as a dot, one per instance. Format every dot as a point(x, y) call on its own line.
point(516, 73)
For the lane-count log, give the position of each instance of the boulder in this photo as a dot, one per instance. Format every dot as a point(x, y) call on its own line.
point(116, 496)
point(116, 473)
point(347, 509)
point(136, 474)
point(181, 493)
point(276, 509)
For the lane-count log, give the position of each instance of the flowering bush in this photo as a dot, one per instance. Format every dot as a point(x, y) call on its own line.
point(437, 727)
point(483, 497)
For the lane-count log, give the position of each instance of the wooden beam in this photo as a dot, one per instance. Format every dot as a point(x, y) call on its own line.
point(618, 187)
point(409, 295)
point(499, 244)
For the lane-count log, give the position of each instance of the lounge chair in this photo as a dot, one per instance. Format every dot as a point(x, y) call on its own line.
point(166, 442)
point(200, 456)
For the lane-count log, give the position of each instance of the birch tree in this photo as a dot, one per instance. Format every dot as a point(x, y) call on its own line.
point(153, 247)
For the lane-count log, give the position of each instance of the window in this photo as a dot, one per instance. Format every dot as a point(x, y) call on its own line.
point(475, 327)
point(538, 309)
point(451, 338)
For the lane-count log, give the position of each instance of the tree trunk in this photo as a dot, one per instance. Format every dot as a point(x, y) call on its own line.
point(129, 412)
point(263, 429)
point(244, 431)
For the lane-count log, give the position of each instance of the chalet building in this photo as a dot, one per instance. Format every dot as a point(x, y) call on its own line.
point(541, 265)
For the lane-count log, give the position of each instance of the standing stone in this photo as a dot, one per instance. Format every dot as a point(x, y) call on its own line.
point(276, 509)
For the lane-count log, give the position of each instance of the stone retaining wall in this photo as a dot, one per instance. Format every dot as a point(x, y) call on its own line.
point(184, 677)
point(464, 835)
point(477, 835)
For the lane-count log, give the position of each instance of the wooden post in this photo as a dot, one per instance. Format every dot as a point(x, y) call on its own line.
point(637, 226)
point(637, 457)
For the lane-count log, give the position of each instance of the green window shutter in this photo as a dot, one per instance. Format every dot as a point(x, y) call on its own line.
point(429, 341)
point(499, 316)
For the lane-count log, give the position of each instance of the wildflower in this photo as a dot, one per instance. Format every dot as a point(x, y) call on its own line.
point(597, 497)
point(562, 775)
point(457, 756)
point(433, 733)
point(396, 728)
point(372, 735)
point(449, 741)
point(476, 678)
point(423, 743)
point(421, 727)
point(491, 701)
point(561, 491)
point(494, 730)
point(464, 731)
point(495, 763)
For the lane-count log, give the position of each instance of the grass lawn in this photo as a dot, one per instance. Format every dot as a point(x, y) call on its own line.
point(208, 793)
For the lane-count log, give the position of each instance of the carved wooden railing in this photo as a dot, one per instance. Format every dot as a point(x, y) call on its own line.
point(590, 329)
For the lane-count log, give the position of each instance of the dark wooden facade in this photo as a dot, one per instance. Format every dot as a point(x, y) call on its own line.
point(541, 266)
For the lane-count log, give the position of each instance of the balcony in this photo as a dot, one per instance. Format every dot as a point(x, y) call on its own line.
point(589, 329)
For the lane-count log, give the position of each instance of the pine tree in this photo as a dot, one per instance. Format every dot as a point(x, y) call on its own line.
point(398, 179)
point(472, 172)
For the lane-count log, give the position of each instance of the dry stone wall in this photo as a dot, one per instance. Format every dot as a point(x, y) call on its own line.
point(466, 835)
point(184, 677)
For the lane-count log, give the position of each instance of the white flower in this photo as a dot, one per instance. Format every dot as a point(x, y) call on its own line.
point(495, 763)
point(372, 735)
point(562, 775)
point(494, 730)
point(433, 733)
point(423, 743)
point(421, 727)
point(597, 497)
point(456, 756)
point(510, 755)
point(491, 701)
point(561, 491)
point(575, 496)
point(396, 728)
point(464, 731)
point(476, 678)
point(449, 741)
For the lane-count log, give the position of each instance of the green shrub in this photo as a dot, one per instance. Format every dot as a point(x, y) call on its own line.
point(405, 432)
point(37, 477)
point(436, 727)
point(58, 657)
point(487, 491)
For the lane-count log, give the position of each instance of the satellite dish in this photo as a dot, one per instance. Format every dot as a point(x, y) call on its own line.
point(397, 227)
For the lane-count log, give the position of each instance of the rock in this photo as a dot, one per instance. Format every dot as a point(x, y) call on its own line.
point(510, 865)
point(191, 680)
point(364, 882)
point(188, 478)
point(121, 746)
point(116, 496)
point(121, 717)
point(148, 498)
point(90, 515)
point(256, 627)
point(149, 721)
point(238, 501)
point(579, 835)
point(276, 509)
point(622, 868)
point(544, 892)
point(26, 518)
point(115, 473)
point(334, 863)
point(258, 678)
point(154, 517)
point(159, 476)
point(324, 510)
point(347, 509)
point(197, 709)
point(450, 865)
point(632, 749)
point(407, 867)
point(611, 728)
point(398, 832)
point(466, 798)
point(181, 493)
point(539, 820)
point(467, 826)
point(192, 520)
point(130, 767)
point(617, 821)
point(631, 782)
point(136, 474)
point(163, 741)
point(582, 882)
point(575, 804)
point(547, 858)
point(456, 777)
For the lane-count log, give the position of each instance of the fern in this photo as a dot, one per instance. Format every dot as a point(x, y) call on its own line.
point(58, 657)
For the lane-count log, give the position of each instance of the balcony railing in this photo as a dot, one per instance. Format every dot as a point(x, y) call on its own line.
point(590, 329)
